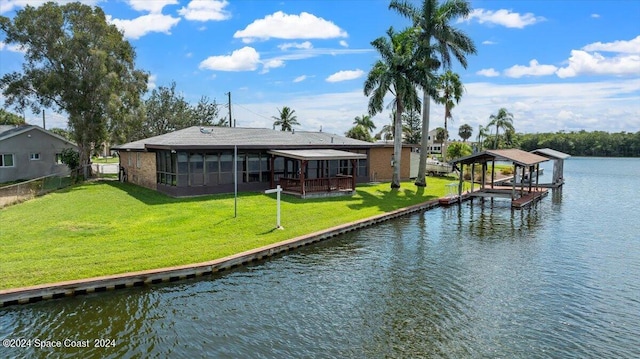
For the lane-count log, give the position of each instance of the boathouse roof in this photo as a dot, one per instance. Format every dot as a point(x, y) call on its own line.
point(519, 157)
point(548, 152)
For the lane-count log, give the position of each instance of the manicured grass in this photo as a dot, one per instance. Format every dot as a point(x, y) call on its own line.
point(105, 228)
point(105, 160)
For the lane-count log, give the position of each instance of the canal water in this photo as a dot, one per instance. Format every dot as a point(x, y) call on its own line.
point(560, 279)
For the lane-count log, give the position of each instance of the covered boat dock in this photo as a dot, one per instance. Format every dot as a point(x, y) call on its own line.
point(558, 165)
point(525, 163)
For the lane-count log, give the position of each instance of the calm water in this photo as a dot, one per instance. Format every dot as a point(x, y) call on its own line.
point(558, 280)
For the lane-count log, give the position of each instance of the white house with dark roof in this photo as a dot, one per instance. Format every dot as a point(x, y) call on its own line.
point(29, 151)
point(197, 161)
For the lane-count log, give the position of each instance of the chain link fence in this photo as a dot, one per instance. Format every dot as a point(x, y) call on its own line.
point(20, 192)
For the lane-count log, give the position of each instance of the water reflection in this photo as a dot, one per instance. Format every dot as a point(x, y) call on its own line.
point(556, 279)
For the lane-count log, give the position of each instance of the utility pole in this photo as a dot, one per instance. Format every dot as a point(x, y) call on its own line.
point(44, 124)
point(231, 124)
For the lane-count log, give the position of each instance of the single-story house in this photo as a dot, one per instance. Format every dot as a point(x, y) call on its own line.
point(29, 151)
point(199, 160)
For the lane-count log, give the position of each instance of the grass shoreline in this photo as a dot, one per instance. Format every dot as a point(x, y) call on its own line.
point(109, 228)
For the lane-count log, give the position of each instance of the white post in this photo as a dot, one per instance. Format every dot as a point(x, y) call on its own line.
point(277, 190)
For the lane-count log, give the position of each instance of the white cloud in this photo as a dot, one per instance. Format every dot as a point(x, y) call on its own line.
point(206, 10)
point(534, 69)
point(271, 64)
point(154, 7)
point(295, 45)
point(143, 25)
point(491, 72)
point(283, 26)
point(345, 75)
point(152, 82)
point(343, 43)
point(489, 42)
point(300, 78)
point(12, 48)
point(244, 59)
point(595, 16)
point(584, 63)
point(504, 17)
point(620, 46)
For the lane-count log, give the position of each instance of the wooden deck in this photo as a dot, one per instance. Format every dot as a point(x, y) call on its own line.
point(524, 198)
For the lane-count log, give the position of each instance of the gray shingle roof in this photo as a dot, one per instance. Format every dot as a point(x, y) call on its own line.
point(10, 131)
point(227, 137)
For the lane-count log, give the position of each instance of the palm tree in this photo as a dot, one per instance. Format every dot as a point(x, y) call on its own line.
point(437, 41)
point(364, 121)
point(503, 119)
point(465, 131)
point(359, 132)
point(286, 120)
point(483, 132)
point(450, 91)
point(394, 73)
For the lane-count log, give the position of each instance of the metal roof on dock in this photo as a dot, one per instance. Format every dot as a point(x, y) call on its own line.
point(514, 155)
point(548, 152)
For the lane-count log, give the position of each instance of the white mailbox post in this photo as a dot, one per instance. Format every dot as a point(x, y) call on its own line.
point(277, 190)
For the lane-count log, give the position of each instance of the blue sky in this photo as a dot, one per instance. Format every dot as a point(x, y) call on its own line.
point(556, 65)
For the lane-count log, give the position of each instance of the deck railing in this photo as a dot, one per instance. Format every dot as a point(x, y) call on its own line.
point(311, 185)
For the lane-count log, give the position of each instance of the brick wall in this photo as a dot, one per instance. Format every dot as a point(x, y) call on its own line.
point(140, 168)
point(380, 163)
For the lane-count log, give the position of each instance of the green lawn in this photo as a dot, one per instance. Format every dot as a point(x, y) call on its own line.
point(105, 228)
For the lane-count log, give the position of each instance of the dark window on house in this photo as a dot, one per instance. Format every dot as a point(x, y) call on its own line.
point(34, 156)
point(196, 169)
point(166, 167)
point(58, 158)
point(6, 160)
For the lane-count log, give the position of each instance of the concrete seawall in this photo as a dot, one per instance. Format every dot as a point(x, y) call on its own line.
point(37, 293)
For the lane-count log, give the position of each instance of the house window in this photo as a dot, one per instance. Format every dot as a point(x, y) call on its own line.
point(138, 159)
point(34, 156)
point(6, 160)
point(58, 158)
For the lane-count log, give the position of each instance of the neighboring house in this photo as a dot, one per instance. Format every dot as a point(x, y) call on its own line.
point(29, 151)
point(197, 161)
point(434, 147)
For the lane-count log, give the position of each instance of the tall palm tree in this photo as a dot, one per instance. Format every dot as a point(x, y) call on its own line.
point(503, 119)
point(465, 131)
point(450, 91)
point(437, 41)
point(286, 119)
point(483, 132)
point(394, 73)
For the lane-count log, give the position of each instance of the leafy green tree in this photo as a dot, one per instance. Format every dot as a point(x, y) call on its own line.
point(75, 62)
point(167, 111)
point(205, 112)
point(437, 42)
point(9, 118)
point(393, 73)
point(286, 119)
point(450, 91)
point(458, 150)
point(412, 123)
point(503, 119)
point(465, 131)
point(61, 132)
